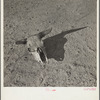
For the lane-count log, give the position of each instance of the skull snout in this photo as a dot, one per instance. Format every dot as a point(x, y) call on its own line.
point(36, 57)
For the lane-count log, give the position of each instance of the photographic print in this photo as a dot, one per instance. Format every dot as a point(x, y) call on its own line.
point(50, 43)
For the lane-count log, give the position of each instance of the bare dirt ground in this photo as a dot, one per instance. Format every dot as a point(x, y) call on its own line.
point(71, 50)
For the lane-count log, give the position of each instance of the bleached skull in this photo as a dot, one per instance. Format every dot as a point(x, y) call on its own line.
point(36, 47)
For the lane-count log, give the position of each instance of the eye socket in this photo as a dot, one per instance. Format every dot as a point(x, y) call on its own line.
point(39, 50)
point(29, 49)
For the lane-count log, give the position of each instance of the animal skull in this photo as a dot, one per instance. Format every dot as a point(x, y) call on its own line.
point(35, 46)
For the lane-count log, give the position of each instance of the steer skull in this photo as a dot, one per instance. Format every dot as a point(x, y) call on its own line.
point(35, 45)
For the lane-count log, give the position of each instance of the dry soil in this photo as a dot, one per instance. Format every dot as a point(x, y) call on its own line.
point(71, 49)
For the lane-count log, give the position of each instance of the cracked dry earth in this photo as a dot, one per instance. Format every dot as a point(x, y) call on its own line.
point(71, 51)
